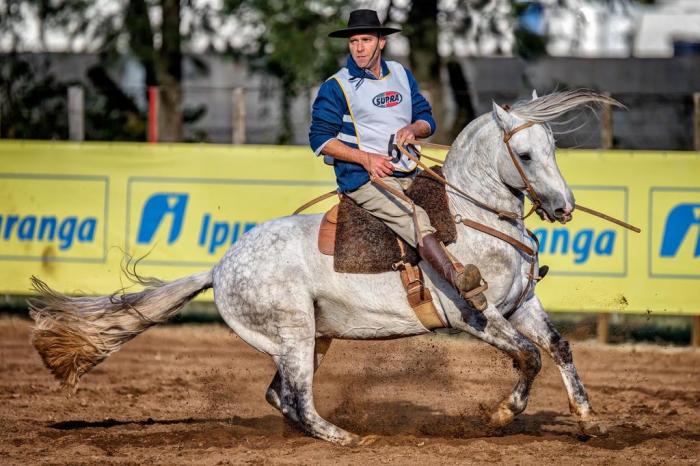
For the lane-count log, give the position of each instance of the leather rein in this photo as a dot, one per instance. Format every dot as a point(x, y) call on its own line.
point(531, 253)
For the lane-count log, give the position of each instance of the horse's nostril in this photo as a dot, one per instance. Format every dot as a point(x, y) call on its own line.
point(559, 212)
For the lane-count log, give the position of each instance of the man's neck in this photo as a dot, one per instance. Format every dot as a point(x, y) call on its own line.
point(377, 68)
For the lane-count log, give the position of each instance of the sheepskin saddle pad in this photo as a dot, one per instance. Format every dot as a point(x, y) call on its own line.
point(361, 243)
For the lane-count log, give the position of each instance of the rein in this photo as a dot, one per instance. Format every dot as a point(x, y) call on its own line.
point(502, 214)
point(517, 244)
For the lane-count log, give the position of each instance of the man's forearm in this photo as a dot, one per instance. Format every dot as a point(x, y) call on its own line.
point(421, 128)
point(340, 151)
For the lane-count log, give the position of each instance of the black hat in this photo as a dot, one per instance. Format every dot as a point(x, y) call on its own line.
point(361, 21)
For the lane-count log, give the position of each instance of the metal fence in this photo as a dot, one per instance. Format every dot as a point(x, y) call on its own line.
point(253, 115)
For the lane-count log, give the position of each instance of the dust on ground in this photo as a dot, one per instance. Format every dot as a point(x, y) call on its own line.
point(194, 394)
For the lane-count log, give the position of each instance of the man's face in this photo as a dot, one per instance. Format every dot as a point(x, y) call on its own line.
point(362, 46)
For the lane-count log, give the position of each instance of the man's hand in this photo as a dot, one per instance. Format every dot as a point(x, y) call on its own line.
point(417, 129)
point(407, 133)
point(378, 165)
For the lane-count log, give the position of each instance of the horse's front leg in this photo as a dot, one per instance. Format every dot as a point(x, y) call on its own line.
point(533, 322)
point(491, 327)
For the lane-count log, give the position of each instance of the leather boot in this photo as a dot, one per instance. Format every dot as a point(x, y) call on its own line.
point(466, 279)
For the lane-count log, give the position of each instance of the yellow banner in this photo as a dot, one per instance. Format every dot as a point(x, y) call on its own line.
point(68, 212)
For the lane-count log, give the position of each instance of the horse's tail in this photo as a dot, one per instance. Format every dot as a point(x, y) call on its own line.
point(74, 334)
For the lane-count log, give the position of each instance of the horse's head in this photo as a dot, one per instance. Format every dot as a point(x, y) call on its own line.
point(532, 144)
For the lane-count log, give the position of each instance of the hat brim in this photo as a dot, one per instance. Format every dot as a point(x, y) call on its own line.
point(349, 32)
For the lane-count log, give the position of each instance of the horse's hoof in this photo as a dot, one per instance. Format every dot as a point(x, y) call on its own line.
point(502, 417)
point(273, 399)
point(357, 441)
point(593, 428)
point(368, 440)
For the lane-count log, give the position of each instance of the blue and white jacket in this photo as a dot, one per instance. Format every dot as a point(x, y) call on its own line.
point(366, 113)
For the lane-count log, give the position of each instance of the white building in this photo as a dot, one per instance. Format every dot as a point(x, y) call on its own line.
point(619, 28)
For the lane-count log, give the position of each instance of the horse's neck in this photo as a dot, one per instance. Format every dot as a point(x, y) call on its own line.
point(471, 166)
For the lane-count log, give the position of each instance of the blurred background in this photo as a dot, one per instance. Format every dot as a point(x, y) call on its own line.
point(247, 71)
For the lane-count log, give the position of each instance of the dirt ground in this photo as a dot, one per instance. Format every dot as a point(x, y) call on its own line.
point(194, 394)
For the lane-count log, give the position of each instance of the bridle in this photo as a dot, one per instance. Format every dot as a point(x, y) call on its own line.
point(534, 198)
point(531, 253)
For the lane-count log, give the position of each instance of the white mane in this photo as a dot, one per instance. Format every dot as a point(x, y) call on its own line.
point(551, 106)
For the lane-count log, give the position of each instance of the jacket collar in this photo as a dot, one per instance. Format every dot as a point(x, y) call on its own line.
point(357, 72)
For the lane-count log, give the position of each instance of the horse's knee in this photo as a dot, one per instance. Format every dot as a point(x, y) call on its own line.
point(563, 350)
point(529, 359)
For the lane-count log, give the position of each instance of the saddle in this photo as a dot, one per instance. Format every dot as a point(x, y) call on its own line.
point(361, 243)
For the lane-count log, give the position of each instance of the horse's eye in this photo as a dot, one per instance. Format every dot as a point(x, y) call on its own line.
point(525, 156)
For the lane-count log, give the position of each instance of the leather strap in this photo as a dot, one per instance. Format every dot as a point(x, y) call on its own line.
point(588, 210)
point(431, 172)
point(419, 297)
point(531, 278)
point(517, 244)
point(315, 200)
point(536, 202)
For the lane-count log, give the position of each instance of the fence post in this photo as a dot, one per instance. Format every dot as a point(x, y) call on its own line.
point(696, 120)
point(153, 114)
point(695, 332)
point(603, 327)
point(76, 113)
point(606, 128)
point(238, 116)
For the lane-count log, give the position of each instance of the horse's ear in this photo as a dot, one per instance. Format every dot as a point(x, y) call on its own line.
point(502, 117)
point(534, 94)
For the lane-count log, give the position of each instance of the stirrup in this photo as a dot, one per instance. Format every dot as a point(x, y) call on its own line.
point(475, 291)
point(479, 290)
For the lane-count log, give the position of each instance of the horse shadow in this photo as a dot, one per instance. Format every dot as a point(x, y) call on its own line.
point(386, 419)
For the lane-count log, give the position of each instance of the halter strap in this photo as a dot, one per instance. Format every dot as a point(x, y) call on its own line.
point(507, 136)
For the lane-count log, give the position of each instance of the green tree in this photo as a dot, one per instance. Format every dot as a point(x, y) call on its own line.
point(32, 102)
point(292, 44)
point(150, 30)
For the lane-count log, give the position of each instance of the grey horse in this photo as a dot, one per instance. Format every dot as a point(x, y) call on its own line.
point(281, 295)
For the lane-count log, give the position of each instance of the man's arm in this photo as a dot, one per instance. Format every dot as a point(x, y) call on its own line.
point(327, 120)
point(376, 165)
point(417, 129)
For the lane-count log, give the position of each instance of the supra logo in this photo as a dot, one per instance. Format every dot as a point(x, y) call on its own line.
point(154, 212)
point(678, 223)
point(387, 99)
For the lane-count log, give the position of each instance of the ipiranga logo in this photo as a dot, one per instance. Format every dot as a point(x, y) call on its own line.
point(192, 222)
point(165, 213)
point(578, 245)
point(586, 246)
point(674, 233)
point(65, 232)
point(681, 221)
point(47, 218)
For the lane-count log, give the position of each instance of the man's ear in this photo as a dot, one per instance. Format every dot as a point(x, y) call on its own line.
point(503, 118)
point(382, 42)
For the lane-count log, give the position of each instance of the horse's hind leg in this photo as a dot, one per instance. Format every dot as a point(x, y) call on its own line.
point(273, 391)
point(295, 366)
point(495, 330)
point(533, 322)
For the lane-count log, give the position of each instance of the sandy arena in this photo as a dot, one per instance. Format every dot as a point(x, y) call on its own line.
point(194, 394)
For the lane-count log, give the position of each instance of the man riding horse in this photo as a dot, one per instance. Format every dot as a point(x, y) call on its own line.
point(362, 114)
